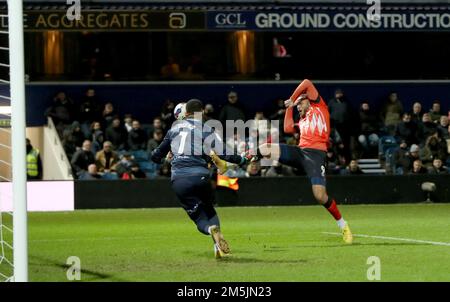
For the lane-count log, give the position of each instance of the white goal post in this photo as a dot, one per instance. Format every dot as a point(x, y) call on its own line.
point(18, 125)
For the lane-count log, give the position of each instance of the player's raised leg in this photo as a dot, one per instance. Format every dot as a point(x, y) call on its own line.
point(221, 164)
point(269, 151)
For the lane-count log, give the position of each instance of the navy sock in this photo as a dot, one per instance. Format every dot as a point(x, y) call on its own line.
point(202, 223)
point(214, 221)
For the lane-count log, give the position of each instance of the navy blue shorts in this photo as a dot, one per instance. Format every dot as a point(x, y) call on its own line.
point(195, 195)
point(310, 160)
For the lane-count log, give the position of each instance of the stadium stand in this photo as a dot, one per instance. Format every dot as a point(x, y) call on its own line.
point(376, 164)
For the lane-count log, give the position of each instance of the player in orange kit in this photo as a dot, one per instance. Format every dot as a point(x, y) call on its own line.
point(314, 129)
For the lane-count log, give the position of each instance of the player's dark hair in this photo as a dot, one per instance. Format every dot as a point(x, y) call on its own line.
point(193, 106)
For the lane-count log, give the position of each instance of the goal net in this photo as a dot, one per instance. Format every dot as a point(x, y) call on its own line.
point(6, 232)
point(6, 248)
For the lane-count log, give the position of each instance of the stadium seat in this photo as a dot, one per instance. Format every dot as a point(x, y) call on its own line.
point(147, 167)
point(110, 176)
point(385, 143)
point(140, 156)
point(148, 128)
point(120, 152)
point(151, 175)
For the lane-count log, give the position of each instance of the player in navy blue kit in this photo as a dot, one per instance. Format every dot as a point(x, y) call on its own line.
point(190, 173)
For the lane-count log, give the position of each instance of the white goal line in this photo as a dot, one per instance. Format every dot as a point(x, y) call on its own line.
point(394, 238)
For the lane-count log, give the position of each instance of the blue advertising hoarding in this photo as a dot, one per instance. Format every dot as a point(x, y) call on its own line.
point(336, 19)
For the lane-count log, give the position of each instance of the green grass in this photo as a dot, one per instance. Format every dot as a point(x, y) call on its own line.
point(268, 244)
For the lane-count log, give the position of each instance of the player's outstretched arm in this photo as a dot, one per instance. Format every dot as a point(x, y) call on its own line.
point(305, 87)
point(289, 120)
point(159, 154)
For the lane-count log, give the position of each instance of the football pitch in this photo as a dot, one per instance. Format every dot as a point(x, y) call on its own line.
point(301, 243)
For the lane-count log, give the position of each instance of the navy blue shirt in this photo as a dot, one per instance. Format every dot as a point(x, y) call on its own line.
point(190, 142)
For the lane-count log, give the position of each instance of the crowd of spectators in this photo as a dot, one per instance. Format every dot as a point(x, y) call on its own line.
point(103, 143)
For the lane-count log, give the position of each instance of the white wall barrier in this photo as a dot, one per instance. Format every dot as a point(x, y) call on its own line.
point(56, 165)
point(41, 196)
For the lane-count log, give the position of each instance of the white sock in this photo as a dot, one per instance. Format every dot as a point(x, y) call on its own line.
point(209, 230)
point(341, 223)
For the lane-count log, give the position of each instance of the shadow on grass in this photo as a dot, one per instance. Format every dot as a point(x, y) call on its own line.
point(235, 259)
point(94, 275)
